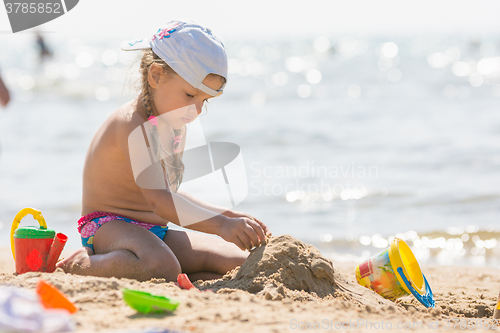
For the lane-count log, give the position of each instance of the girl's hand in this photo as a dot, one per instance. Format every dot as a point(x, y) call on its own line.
point(242, 231)
point(232, 214)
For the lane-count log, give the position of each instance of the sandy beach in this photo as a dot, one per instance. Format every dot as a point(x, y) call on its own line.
point(267, 294)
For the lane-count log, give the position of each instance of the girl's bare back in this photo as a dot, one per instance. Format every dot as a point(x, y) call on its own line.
point(108, 181)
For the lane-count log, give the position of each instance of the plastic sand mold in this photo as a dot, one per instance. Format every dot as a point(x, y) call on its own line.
point(145, 302)
point(394, 273)
point(52, 298)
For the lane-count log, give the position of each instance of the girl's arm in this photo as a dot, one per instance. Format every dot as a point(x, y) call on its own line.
point(221, 210)
point(169, 205)
point(245, 232)
point(204, 204)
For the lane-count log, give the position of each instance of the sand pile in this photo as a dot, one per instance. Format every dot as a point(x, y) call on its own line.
point(285, 267)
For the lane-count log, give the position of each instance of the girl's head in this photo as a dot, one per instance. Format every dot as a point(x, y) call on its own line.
point(183, 65)
point(166, 93)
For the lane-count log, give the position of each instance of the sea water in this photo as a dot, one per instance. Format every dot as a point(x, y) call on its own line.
point(347, 141)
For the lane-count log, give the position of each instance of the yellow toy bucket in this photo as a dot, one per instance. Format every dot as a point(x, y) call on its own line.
point(394, 273)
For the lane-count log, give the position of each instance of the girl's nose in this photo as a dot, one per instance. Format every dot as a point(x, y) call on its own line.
point(196, 109)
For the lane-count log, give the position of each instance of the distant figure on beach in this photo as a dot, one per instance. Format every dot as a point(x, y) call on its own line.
point(124, 223)
point(4, 93)
point(43, 50)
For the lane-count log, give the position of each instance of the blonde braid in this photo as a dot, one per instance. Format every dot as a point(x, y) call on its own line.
point(148, 58)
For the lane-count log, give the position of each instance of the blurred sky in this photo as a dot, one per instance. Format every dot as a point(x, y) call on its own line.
point(269, 18)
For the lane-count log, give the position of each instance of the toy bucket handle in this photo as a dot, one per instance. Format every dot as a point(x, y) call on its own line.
point(37, 215)
point(428, 299)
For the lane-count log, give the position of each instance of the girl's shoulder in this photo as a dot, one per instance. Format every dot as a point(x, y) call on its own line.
point(117, 128)
point(125, 119)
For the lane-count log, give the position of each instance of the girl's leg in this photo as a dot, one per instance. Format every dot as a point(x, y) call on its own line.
point(204, 256)
point(125, 250)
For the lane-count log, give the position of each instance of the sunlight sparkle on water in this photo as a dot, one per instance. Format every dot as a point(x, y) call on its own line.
point(304, 91)
point(26, 82)
point(291, 196)
point(102, 94)
point(294, 64)
point(437, 60)
point(84, 59)
point(461, 68)
point(109, 58)
point(314, 76)
point(389, 50)
point(476, 80)
point(487, 66)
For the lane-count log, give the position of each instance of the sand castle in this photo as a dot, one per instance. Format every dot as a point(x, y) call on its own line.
point(285, 267)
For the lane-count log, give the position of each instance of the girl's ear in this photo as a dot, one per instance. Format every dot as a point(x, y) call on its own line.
point(154, 75)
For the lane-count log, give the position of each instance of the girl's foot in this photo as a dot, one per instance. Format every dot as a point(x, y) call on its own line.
point(77, 262)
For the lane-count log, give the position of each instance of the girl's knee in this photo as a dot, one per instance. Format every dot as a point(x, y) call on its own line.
point(240, 258)
point(162, 268)
point(231, 261)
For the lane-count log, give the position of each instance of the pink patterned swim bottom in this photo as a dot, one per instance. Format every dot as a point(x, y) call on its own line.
point(89, 224)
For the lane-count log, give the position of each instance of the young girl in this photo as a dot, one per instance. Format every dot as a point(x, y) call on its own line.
point(124, 225)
